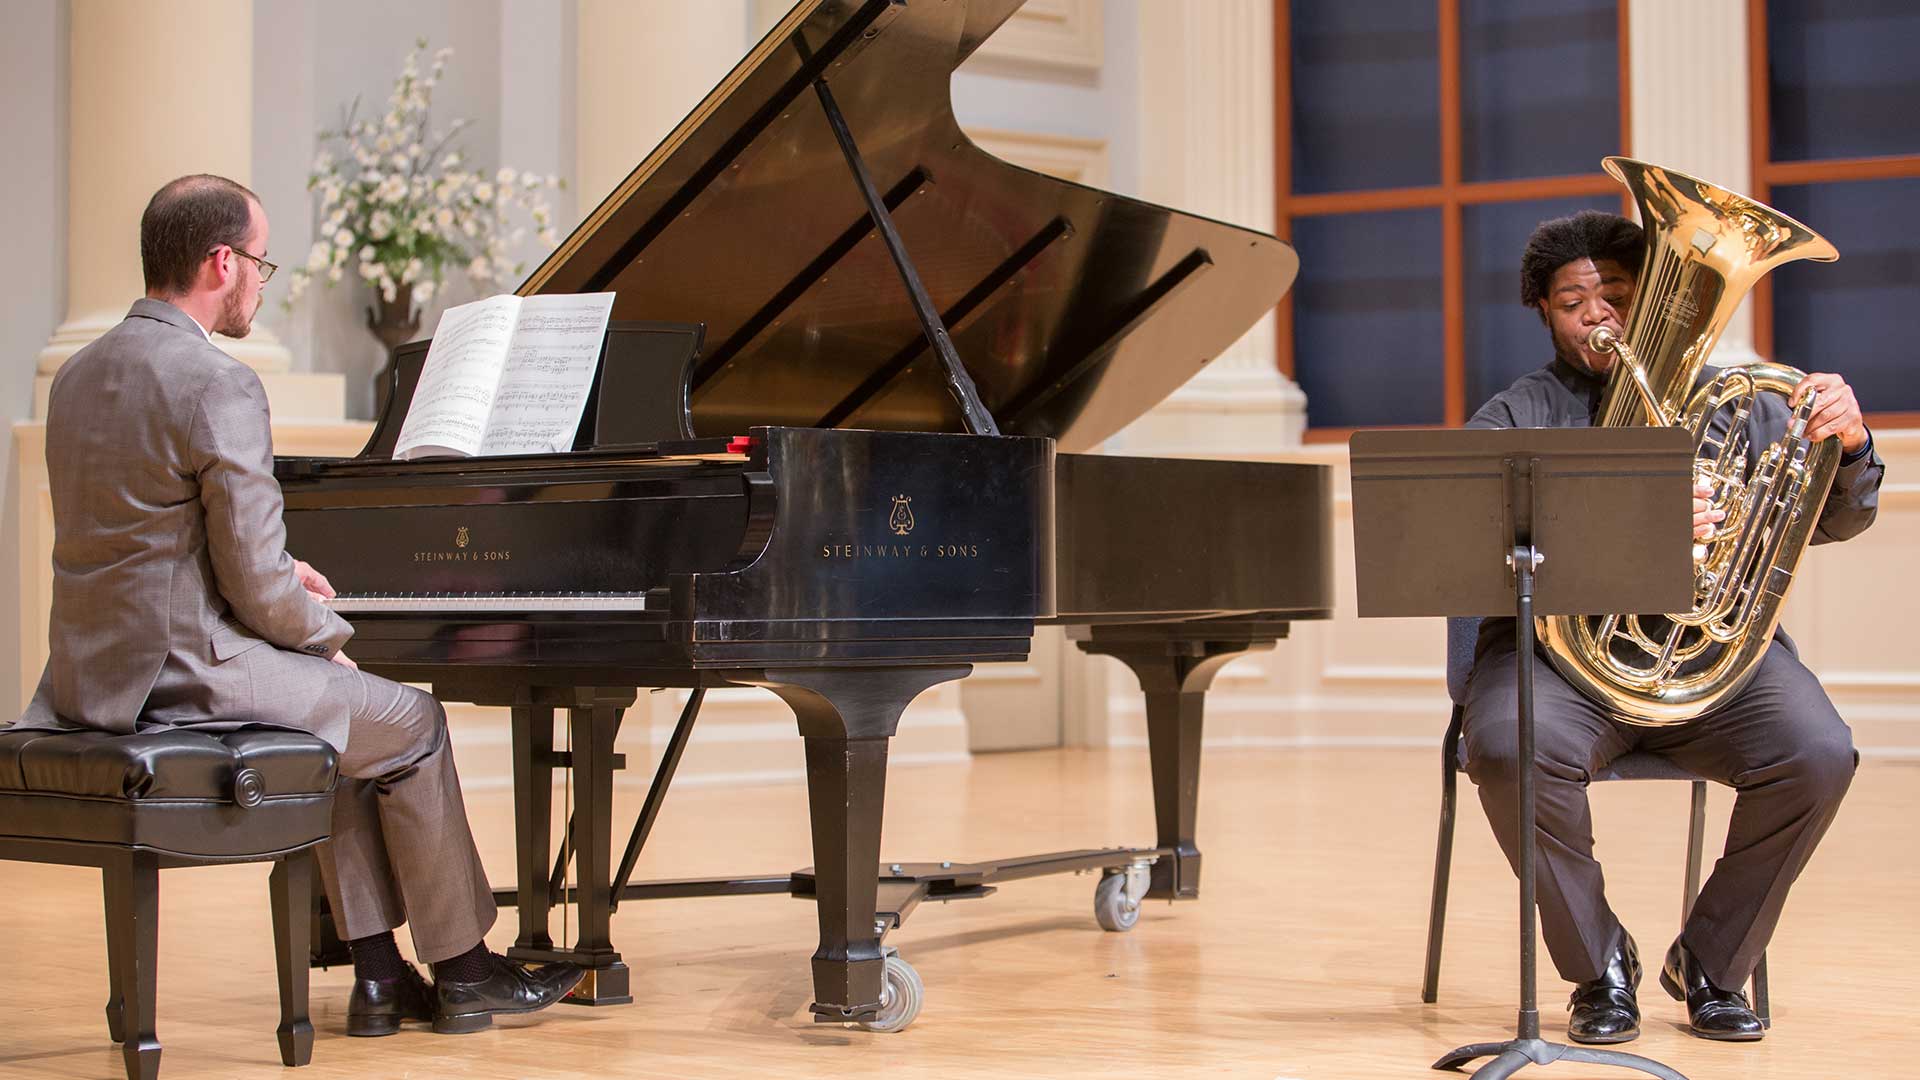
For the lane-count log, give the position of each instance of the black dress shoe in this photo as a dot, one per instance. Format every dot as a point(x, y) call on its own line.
point(462, 1007)
point(377, 1006)
point(1712, 1013)
point(1605, 1009)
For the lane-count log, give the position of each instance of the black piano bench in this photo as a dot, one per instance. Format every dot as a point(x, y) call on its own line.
point(134, 804)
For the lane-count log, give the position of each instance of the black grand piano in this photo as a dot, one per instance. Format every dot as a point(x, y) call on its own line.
point(834, 450)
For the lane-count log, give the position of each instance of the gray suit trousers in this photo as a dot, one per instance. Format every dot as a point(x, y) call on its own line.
point(402, 851)
point(1779, 743)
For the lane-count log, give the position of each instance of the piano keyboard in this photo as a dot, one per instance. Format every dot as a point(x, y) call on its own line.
point(348, 603)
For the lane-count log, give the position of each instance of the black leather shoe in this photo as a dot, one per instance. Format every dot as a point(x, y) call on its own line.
point(1712, 1013)
point(1605, 1009)
point(462, 1007)
point(377, 1006)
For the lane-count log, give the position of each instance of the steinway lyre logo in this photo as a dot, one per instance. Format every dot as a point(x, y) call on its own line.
point(461, 538)
point(901, 520)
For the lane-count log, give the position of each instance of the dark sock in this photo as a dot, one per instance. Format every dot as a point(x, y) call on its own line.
point(470, 966)
point(377, 957)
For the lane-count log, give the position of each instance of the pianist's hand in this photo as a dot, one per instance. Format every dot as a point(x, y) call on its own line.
point(344, 661)
point(313, 581)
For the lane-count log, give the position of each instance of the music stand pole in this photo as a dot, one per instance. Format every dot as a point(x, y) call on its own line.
point(1526, 1046)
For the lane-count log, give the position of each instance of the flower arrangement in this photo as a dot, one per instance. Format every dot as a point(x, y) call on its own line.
point(396, 207)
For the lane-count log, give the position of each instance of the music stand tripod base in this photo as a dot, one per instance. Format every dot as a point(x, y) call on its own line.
point(1510, 1056)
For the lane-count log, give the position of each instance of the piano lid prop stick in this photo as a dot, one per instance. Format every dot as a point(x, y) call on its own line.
point(979, 421)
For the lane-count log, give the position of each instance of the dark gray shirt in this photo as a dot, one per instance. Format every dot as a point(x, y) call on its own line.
point(1561, 395)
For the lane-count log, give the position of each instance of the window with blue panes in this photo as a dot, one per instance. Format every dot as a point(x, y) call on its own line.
point(1840, 151)
point(1424, 139)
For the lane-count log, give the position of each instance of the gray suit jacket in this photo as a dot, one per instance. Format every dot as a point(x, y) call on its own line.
point(174, 599)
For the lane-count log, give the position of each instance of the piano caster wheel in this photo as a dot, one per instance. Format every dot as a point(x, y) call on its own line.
point(1116, 900)
point(901, 994)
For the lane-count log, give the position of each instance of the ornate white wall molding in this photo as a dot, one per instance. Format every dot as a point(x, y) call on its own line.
point(1047, 35)
point(1068, 157)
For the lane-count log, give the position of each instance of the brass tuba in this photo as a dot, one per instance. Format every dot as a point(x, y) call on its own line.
point(1706, 247)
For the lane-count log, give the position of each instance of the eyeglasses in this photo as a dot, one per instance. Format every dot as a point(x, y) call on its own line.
point(266, 268)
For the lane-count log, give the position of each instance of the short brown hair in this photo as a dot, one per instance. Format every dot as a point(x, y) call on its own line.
point(186, 219)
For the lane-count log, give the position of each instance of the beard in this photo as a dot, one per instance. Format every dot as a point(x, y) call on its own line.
point(236, 313)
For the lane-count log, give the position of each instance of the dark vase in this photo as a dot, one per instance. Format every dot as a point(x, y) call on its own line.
point(395, 323)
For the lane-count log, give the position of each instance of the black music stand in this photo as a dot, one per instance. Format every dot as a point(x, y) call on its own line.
point(1462, 522)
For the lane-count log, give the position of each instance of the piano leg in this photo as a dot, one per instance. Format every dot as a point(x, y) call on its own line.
point(533, 816)
point(1174, 675)
point(593, 718)
point(846, 716)
point(594, 724)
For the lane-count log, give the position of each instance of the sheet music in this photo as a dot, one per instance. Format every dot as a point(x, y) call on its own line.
point(455, 395)
point(548, 374)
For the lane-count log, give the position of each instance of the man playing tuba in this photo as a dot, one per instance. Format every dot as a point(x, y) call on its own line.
point(1778, 741)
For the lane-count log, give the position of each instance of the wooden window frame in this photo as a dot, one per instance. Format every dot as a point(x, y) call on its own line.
point(1451, 195)
point(1768, 173)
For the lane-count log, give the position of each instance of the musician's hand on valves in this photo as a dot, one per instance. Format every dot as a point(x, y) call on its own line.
point(1836, 412)
point(1704, 515)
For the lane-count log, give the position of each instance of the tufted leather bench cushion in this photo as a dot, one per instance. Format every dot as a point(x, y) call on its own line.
point(197, 793)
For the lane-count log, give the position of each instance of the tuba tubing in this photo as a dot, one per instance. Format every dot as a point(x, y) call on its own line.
point(1706, 248)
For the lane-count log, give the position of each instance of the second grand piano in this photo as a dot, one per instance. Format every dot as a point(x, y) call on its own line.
point(833, 451)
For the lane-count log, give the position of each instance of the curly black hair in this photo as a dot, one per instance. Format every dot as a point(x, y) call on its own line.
point(1589, 234)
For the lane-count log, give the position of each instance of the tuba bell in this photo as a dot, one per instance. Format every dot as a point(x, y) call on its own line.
point(1706, 247)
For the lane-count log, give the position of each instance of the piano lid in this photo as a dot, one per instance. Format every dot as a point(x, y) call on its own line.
point(1074, 309)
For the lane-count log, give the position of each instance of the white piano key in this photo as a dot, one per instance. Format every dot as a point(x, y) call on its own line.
point(348, 603)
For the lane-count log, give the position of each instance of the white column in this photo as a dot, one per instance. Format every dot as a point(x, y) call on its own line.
point(1206, 99)
point(1688, 78)
point(141, 114)
point(643, 66)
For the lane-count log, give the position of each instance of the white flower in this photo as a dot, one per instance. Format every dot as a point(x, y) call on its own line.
point(423, 292)
point(506, 176)
point(343, 238)
point(381, 226)
point(444, 218)
point(483, 191)
point(318, 258)
point(450, 160)
point(366, 253)
point(333, 275)
point(548, 238)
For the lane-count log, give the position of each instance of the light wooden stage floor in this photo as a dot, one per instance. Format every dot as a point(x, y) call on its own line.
point(1302, 959)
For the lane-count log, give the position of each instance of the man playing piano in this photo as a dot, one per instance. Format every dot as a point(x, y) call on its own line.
point(1779, 741)
point(175, 604)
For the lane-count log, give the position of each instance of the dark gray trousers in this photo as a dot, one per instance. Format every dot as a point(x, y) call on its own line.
point(1779, 743)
